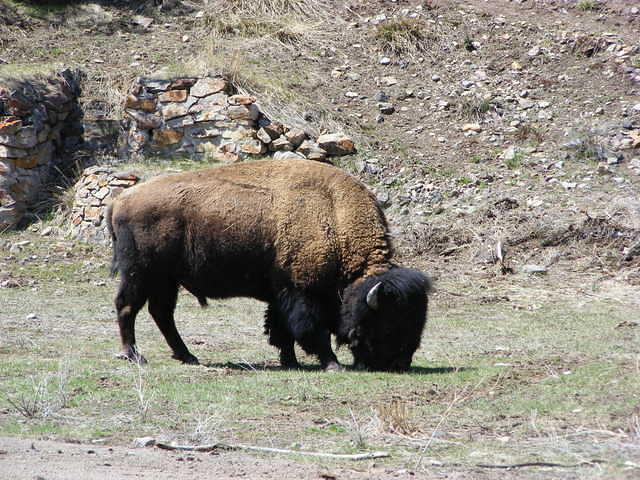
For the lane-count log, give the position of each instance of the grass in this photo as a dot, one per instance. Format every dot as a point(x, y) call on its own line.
point(43, 10)
point(515, 162)
point(555, 370)
point(588, 5)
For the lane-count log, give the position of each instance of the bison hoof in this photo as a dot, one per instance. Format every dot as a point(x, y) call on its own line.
point(187, 358)
point(290, 365)
point(333, 367)
point(132, 357)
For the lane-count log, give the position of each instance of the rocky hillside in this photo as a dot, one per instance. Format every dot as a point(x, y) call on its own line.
point(500, 136)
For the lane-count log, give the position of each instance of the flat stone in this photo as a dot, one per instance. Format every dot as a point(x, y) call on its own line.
point(165, 137)
point(208, 86)
point(144, 121)
point(243, 112)
point(183, 83)
point(146, 104)
point(174, 110)
point(241, 99)
point(263, 136)
point(173, 96)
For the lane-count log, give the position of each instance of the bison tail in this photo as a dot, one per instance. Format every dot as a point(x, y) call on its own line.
point(112, 234)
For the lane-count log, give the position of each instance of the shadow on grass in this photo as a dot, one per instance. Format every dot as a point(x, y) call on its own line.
point(265, 366)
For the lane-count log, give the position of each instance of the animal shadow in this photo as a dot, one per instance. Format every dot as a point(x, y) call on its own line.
point(275, 367)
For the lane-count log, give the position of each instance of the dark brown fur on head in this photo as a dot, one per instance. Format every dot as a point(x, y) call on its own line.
point(384, 333)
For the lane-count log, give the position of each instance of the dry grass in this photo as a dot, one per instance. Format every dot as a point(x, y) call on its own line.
point(274, 8)
point(46, 395)
point(404, 36)
point(396, 417)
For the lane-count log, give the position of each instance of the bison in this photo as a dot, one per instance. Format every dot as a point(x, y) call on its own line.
point(302, 236)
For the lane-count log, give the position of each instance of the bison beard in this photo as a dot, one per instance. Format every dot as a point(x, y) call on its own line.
point(304, 237)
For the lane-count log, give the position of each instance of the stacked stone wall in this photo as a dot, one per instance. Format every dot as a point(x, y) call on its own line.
point(37, 119)
point(205, 118)
point(94, 191)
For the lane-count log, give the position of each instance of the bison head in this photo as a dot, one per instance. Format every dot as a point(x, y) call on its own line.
point(382, 318)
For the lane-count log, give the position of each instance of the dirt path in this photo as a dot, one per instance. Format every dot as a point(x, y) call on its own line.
point(50, 460)
point(22, 459)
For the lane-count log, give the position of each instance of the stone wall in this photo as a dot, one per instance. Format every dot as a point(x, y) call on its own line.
point(94, 190)
point(37, 119)
point(205, 118)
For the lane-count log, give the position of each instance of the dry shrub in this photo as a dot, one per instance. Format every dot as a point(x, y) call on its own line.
point(430, 239)
point(396, 417)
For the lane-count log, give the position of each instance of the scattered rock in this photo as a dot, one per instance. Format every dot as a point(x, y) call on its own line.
point(336, 144)
point(471, 127)
point(142, 442)
point(534, 269)
point(386, 108)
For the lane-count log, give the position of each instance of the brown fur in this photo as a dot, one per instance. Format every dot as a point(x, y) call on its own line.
point(320, 220)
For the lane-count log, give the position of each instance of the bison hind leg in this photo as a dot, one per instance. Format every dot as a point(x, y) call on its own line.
point(129, 300)
point(162, 303)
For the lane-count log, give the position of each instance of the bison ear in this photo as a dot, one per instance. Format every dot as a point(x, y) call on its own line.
point(373, 296)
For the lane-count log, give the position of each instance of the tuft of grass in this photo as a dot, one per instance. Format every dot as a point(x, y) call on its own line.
point(403, 36)
point(588, 5)
point(468, 44)
point(515, 162)
point(529, 132)
point(476, 108)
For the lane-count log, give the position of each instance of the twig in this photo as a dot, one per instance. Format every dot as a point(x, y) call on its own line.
point(227, 446)
point(539, 464)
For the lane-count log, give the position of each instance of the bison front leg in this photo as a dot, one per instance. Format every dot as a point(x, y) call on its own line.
point(162, 303)
point(280, 337)
point(306, 320)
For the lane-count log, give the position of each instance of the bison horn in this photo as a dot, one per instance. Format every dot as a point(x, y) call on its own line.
point(372, 296)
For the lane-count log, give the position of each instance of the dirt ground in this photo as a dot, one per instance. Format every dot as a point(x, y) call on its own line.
point(29, 459)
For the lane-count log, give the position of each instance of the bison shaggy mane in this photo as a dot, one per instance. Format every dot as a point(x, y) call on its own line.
point(304, 237)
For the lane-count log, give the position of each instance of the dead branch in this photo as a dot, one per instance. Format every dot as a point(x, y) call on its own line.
point(227, 446)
